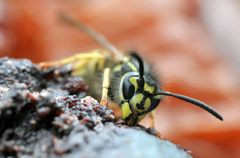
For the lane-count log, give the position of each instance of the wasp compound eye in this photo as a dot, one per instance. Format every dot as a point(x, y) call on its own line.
point(128, 89)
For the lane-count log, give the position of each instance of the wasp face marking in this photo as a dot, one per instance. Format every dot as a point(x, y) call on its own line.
point(137, 97)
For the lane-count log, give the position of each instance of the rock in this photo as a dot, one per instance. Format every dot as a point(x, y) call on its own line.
point(43, 114)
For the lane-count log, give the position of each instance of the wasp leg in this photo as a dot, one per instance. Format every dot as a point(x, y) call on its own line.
point(105, 86)
point(96, 54)
point(152, 121)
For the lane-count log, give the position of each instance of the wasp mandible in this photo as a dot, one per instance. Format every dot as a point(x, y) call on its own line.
point(126, 80)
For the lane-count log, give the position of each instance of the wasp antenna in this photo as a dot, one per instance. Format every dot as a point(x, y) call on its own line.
point(97, 37)
point(140, 62)
point(193, 101)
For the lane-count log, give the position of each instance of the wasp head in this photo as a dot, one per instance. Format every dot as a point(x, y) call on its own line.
point(140, 94)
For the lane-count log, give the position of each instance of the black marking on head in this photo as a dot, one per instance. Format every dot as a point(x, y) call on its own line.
point(141, 105)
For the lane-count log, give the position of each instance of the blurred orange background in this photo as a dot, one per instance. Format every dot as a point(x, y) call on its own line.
point(192, 44)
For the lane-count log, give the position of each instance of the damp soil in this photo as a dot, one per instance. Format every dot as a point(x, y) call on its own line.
point(47, 113)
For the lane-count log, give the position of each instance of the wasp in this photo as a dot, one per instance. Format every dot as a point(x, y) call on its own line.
point(126, 80)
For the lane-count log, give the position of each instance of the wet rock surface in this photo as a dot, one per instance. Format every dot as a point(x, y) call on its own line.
point(45, 113)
